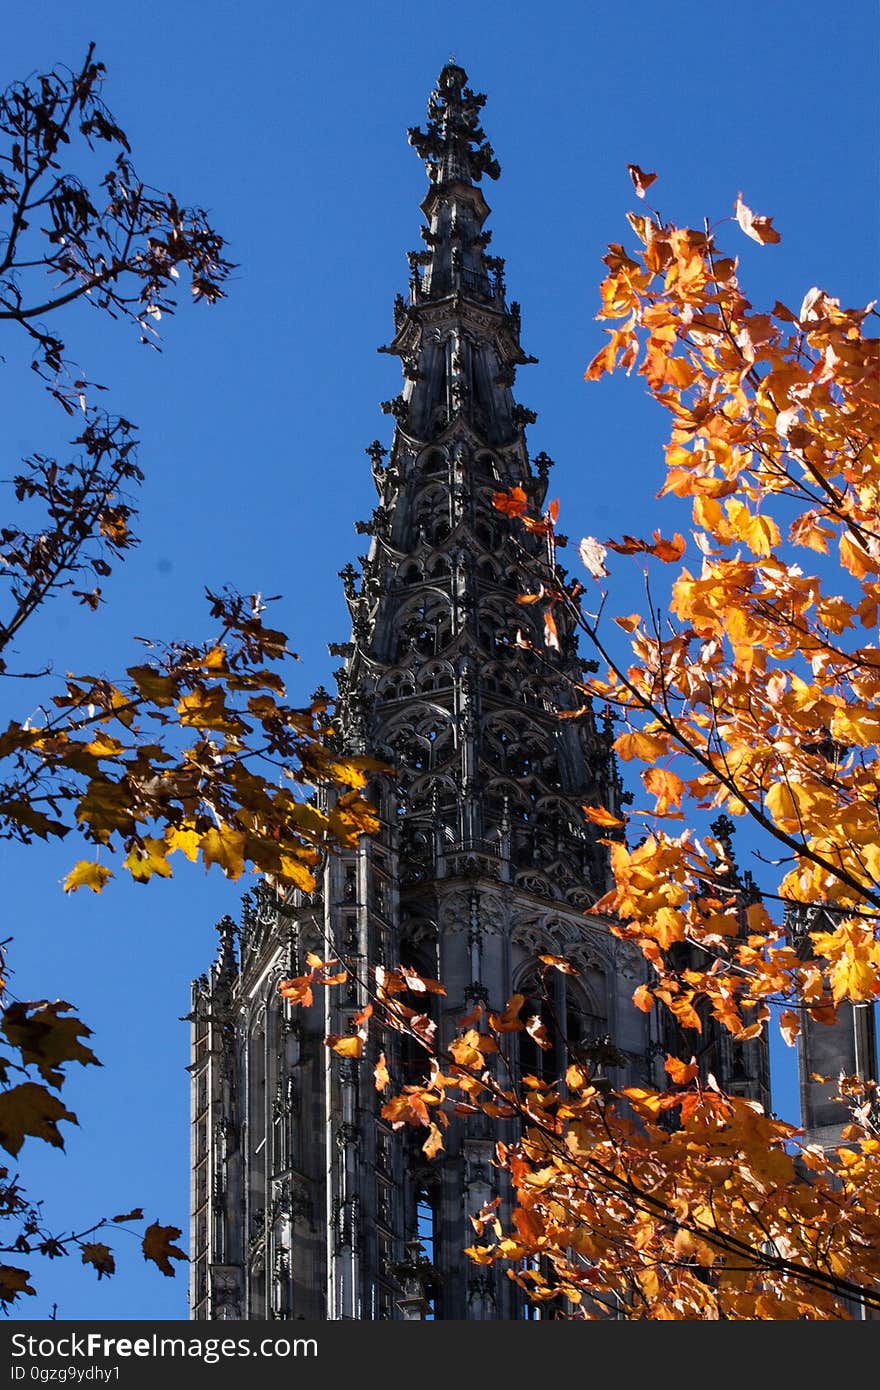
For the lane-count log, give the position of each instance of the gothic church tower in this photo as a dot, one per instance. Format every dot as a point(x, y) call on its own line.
point(305, 1203)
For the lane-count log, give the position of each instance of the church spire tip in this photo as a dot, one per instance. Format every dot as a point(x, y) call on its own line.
point(454, 147)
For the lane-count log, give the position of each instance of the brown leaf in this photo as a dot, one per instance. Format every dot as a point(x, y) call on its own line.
point(30, 1109)
point(641, 181)
point(157, 1247)
point(13, 1282)
point(44, 1039)
point(100, 1257)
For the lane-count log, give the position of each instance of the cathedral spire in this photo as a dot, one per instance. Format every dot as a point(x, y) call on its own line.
point(307, 1203)
point(454, 147)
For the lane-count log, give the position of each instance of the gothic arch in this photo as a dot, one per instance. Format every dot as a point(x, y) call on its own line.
point(432, 461)
point(396, 685)
point(423, 740)
point(436, 675)
point(426, 625)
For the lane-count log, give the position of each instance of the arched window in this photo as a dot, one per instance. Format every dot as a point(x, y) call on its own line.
point(570, 1018)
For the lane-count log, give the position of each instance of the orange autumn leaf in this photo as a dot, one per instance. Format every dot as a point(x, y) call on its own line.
point(551, 635)
point(599, 815)
point(760, 229)
point(682, 1073)
point(789, 1026)
point(667, 550)
point(512, 503)
point(640, 745)
point(643, 999)
point(509, 1021)
point(434, 1142)
point(380, 1074)
point(666, 786)
point(558, 963)
point(346, 1044)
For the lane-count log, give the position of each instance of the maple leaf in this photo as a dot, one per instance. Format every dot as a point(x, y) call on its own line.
point(760, 229)
point(100, 1257)
point(135, 1215)
point(29, 1109)
point(157, 1246)
point(512, 503)
point(559, 963)
point(434, 1142)
point(641, 181)
point(346, 1044)
point(593, 557)
point(45, 1039)
point(380, 1073)
point(87, 874)
point(682, 1073)
point(509, 1021)
point(537, 1031)
point(185, 838)
point(148, 858)
point(599, 815)
point(643, 999)
point(667, 550)
point(789, 1026)
point(13, 1282)
point(551, 636)
point(224, 845)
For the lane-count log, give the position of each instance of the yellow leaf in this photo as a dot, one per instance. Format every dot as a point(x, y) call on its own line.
point(346, 1044)
point(104, 746)
point(647, 747)
point(224, 846)
point(153, 686)
point(185, 839)
point(206, 709)
point(294, 871)
point(854, 558)
point(147, 859)
point(665, 785)
point(87, 874)
point(434, 1142)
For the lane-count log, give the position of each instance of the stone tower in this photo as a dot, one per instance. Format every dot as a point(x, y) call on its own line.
point(305, 1203)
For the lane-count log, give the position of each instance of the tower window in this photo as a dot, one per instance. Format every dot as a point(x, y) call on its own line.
point(426, 1230)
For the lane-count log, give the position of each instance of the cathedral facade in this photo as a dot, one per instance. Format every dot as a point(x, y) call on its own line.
point(306, 1203)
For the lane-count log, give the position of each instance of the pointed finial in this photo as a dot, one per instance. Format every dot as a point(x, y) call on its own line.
point(454, 147)
point(226, 962)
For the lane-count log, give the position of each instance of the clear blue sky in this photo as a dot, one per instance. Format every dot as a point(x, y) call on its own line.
point(289, 123)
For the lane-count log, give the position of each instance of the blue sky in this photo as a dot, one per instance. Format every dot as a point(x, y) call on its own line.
point(289, 123)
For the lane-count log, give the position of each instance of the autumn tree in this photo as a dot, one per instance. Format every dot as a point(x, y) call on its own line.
point(752, 690)
point(193, 751)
